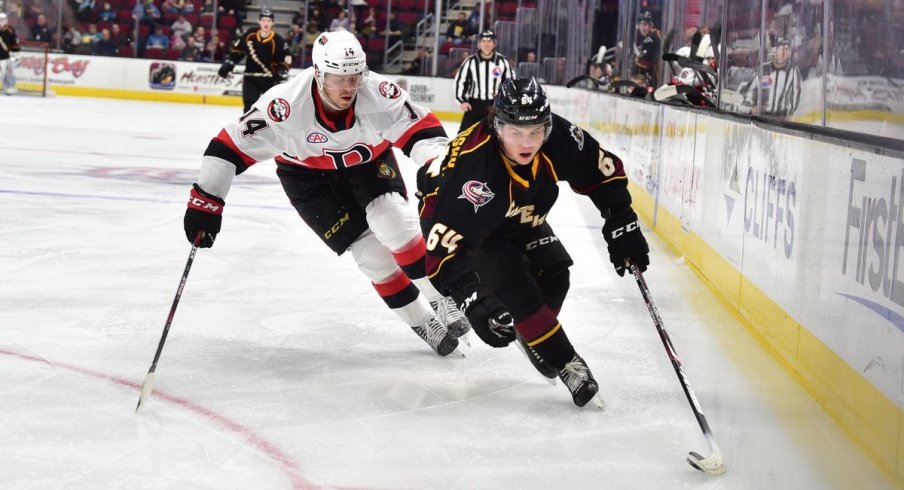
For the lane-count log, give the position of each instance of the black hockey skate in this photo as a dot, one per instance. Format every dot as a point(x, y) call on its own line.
point(451, 317)
point(579, 380)
point(539, 364)
point(435, 335)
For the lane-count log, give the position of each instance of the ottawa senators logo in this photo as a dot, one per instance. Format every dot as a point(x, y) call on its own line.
point(390, 90)
point(477, 193)
point(279, 110)
point(385, 171)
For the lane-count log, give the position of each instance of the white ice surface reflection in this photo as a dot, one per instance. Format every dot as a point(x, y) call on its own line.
point(283, 369)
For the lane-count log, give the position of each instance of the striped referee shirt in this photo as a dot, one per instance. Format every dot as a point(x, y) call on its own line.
point(480, 78)
point(780, 90)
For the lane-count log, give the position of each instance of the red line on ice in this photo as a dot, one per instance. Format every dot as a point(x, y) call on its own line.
point(268, 448)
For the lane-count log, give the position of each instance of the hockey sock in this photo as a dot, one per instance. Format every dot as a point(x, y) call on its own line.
point(401, 297)
point(545, 334)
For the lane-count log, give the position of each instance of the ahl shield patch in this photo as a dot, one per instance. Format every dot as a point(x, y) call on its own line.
point(477, 193)
point(279, 110)
point(390, 90)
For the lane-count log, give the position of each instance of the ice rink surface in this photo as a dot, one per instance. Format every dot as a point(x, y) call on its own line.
point(283, 368)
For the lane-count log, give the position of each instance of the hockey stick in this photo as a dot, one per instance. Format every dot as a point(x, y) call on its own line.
point(603, 84)
point(712, 464)
point(148, 386)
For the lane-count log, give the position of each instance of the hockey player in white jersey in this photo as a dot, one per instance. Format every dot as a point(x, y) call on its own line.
point(331, 130)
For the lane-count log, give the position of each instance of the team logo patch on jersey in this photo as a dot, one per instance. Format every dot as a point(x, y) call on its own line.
point(477, 193)
point(317, 138)
point(279, 110)
point(384, 171)
point(578, 135)
point(390, 90)
point(497, 72)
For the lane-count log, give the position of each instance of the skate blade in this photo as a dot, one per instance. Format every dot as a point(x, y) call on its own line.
point(465, 339)
point(599, 402)
point(457, 353)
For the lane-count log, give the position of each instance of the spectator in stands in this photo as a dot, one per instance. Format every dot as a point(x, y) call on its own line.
point(456, 62)
point(191, 51)
point(559, 72)
point(316, 16)
point(157, 40)
point(647, 46)
point(474, 17)
point(147, 14)
point(173, 6)
point(107, 14)
point(295, 40)
point(394, 30)
point(457, 32)
point(235, 8)
point(71, 38)
point(41, 31)
point(353, 23)
point(341, 22)
point(298, 17)
point(416, 65)
point(90, 38)
point(181, 27)
point(177, 42)
point(200, 36)
point(85, 11)
point(106, 46)
point(207, 7)
point(119, 38)
point(368, 26)
point(311, 34)
point(216, 49)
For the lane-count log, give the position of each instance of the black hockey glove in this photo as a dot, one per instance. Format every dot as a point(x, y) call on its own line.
point(281, 74)
point(204, 213)
point(625, 241)
point(489, 318)
point(226, 68)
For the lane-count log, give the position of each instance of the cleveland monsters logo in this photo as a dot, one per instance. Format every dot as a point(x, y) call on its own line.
point(477, 193)
point(390, 90)
point(279, 110)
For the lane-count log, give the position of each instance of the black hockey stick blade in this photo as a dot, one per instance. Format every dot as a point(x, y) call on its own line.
point(147, 387)
point(713, 464)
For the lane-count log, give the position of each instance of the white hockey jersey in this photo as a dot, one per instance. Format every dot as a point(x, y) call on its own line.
point(288, 124)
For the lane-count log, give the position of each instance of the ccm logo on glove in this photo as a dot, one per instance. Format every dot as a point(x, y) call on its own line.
point(199, 202)
point(621, 230)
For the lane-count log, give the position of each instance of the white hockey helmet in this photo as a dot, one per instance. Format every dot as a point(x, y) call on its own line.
point(3, 19)
point(338, 53)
